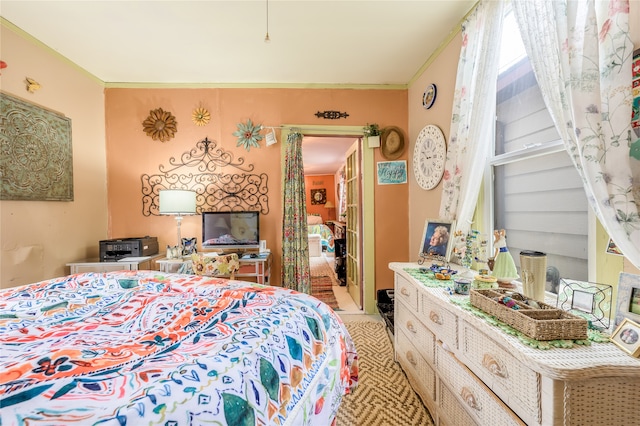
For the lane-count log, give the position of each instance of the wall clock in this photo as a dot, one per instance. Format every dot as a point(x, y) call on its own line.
point(429, 96)
point(429, 157)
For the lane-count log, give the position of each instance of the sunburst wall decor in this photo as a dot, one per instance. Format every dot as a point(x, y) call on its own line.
point(201, 116)
point(160, 125)
point(248, 135)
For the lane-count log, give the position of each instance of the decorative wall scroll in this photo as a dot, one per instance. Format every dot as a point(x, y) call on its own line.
point(331, 115)
point(36, 161)
point(197, 170)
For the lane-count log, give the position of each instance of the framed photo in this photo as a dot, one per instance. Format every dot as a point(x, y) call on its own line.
point(437, 240)
point(627, 337)
point(628, 302)
point(392, 172)
point(592, 301)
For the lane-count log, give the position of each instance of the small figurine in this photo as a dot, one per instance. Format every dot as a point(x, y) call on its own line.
point(504, 268)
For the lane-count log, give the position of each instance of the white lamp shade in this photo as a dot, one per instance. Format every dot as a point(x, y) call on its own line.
point(177, 202)
point(329, 205)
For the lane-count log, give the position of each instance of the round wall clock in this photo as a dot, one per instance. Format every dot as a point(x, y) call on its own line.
point(429, 96)
point(429, 157)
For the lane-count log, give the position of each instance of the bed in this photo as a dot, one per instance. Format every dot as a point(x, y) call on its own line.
point(316, 227)
point(144, 347)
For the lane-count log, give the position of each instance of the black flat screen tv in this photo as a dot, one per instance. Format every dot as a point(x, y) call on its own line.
point(230, 230)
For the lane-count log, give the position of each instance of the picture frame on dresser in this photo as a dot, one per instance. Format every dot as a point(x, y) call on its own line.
point(437, 240)
point(628, 300)
point(589, 300)
point(627, 337)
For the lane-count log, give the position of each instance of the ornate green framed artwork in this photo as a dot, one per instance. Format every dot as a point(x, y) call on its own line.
point(36, 161)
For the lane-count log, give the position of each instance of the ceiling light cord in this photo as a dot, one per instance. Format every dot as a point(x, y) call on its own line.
point(266, 37)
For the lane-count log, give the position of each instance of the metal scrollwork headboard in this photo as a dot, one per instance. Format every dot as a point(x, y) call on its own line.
point(197, 170)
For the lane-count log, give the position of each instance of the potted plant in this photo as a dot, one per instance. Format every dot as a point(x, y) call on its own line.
point(372, 133)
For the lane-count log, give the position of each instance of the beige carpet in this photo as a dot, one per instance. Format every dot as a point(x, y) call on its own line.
point(384, 396)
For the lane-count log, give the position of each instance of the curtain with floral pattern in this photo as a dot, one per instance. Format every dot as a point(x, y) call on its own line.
point(581, 53)
point(472, 118)
point(295, 241)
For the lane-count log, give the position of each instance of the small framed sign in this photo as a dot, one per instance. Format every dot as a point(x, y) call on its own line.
point(392, 172)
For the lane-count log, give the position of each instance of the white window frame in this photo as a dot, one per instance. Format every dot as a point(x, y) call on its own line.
point(486, 208)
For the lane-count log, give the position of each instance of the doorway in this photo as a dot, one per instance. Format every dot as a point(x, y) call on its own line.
point(366, 258)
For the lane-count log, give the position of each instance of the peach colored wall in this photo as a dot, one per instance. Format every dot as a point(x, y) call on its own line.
point(319, 182)
point(392, 227)
point(426, 204)
point(131, 153)
point(40, 237)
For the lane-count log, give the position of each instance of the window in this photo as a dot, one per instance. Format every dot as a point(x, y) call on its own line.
point(537, 195)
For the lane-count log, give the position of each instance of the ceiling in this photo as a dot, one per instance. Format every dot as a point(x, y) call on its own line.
point(217, 43)
point(311, 42)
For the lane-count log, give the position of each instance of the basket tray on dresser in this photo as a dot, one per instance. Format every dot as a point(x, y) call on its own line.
point(542, 323)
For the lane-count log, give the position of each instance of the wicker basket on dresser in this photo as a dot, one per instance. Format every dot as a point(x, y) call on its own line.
point(470, 373)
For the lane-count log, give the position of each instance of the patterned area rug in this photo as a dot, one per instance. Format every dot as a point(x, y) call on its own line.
point(384, 396)
point(319, 267)
point(322, 289)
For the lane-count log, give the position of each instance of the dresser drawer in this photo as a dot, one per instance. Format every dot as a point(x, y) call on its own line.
point(475, 396)
point(421, 336)
point(406, 292)
point(516, 384)
point(442, 322)
point(421, 375)
point(451, 411)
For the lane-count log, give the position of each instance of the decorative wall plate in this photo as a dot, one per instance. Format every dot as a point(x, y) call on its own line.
point(318, 196)
point(429, 96)
point(429, 157)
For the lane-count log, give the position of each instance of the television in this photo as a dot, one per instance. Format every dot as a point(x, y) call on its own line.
point(230, 231)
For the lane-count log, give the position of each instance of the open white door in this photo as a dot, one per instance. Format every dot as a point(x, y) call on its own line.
point(354, 224)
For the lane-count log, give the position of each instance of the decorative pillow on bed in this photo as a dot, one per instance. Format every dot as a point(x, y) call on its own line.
point(225, 264)
point(314, 219)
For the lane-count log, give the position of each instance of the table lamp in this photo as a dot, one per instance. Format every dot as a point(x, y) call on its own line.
point(179, 203)
point(329, 205)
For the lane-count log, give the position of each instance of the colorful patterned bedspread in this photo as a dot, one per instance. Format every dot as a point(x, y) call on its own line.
point(326, 235)
point(140, 348)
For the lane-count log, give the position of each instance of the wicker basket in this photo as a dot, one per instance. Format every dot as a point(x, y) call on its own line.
point(545, 323)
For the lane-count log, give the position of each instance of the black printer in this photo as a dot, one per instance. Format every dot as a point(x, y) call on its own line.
point(116, 249)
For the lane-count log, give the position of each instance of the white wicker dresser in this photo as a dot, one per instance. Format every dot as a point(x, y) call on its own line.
point(469, 372)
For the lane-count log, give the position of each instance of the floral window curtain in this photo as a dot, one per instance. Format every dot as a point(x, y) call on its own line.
point(472, 118)
point(581, 54)
point(295, 240)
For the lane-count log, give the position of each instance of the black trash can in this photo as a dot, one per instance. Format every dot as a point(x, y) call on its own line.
point(385, 307)
point(341, 260)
